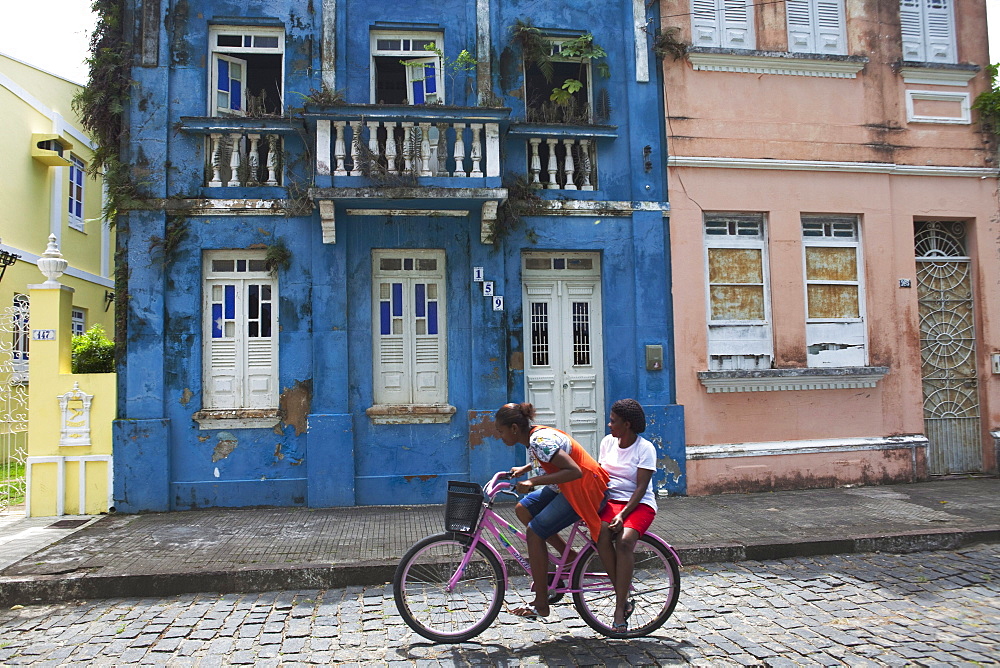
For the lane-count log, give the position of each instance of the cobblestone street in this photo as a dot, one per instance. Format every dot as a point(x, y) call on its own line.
point(930, 608)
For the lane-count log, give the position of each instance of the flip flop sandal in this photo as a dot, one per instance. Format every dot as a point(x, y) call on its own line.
point(620, 628)
point(629, 609)
point(528, 612)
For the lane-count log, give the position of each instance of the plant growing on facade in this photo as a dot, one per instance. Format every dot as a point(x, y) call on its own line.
point(666, 43)
point(988, 102)
point(93, 352)
point(163, 248)
point(102, 103)
point(563, 104)
point(461, 65)
point(277, 257)
point(522, 199)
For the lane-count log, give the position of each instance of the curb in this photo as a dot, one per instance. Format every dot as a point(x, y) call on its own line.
point(55, 588)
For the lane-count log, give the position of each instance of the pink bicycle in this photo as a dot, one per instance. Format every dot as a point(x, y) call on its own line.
point(450, 587)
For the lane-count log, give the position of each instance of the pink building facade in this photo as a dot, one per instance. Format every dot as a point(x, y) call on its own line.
point(834, 242)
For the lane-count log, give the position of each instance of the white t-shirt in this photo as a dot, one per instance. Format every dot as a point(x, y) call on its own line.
point(622, 465)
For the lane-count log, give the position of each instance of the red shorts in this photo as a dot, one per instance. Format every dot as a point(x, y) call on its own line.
point(639, 519)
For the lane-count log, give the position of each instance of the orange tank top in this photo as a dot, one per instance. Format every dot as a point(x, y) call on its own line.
point(586, 493)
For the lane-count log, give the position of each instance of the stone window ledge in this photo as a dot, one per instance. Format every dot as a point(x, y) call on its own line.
point(714, 59)
point(237, 418)
point(410, 414)
point(773, 380)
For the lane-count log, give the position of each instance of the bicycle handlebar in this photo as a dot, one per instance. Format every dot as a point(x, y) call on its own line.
point(495, 486)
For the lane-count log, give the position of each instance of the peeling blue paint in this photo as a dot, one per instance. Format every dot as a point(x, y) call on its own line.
point(337, 455)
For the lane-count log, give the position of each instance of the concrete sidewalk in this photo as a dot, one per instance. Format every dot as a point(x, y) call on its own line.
point(261, 549)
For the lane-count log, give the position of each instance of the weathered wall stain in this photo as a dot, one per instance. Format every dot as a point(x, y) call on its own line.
point(422, 478)
point(481, 427)
point(186, 396)
point(227, 443)
point(293, 405)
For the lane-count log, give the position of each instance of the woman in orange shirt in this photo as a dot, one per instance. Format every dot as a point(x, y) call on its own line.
point(581, 483)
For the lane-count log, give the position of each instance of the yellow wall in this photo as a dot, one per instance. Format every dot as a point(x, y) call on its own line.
point(52, 492)
point(35, 196)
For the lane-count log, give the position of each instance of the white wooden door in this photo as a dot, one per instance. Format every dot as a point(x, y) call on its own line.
point(564, 361)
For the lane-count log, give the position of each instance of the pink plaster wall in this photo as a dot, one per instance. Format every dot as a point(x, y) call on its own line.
point(862, 120)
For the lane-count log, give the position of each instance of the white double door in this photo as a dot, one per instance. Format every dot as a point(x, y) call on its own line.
point(564, 357)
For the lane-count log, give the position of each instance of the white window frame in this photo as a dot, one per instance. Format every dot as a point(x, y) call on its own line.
point(849, 333)
point(816, 26)
point(723, 23)
point(410, 363)
point(77, 177)
point(410, 52)
point(78, 321)
point(927, 31)
point(738, 344)
point(240, 369)
point(250, 36)
point(555, 44)
point(962, 100)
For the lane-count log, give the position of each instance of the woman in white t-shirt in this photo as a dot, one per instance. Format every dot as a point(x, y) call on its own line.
point(630, 460)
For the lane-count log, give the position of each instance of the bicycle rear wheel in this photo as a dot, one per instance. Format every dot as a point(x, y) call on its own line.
point(424, 599)
point(655, 590)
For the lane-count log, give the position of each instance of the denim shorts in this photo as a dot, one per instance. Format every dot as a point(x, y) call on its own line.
point(550, 512)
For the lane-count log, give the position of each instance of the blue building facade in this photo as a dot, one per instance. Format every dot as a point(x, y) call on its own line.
point(370, 224)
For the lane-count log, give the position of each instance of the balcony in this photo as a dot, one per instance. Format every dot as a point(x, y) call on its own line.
point(562, 157)
point(242, 152)
point(447, 147)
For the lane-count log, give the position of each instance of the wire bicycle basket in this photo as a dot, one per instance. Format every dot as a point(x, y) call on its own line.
point(463, 507)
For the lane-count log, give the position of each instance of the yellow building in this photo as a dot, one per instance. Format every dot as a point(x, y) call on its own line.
point(45, 191)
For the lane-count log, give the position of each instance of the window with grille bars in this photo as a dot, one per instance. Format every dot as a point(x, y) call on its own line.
point(410, 355)
point(240, 332)
point(78, 321)
point(739, 327)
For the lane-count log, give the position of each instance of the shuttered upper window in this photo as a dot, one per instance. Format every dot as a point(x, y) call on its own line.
point(241, 332)
point(410, 354)
point(816, 26)
point(722, 23)
point(928, 30)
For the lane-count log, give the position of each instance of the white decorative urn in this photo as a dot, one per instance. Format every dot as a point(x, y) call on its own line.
point(52, 263)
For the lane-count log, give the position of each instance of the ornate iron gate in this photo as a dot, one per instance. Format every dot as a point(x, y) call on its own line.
point(13, 404)
point(948, 348)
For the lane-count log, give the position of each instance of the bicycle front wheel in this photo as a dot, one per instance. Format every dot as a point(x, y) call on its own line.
point(654, 593)
point(441, 603)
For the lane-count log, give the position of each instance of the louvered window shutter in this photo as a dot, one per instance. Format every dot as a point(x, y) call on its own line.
point(705, 19)
point(940, 44)
point(911, 26)
point(261, 381)
point(816, 26)
point(428, 368)
point(392, 377)
point(224, 386)
point(831, 29)
point(737, 25)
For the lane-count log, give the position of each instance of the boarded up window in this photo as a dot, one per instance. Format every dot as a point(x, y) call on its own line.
point(835, 329)
point(739, 329)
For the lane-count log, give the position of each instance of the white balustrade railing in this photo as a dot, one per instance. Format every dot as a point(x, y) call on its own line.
point(562, 164)
point(240, 159)
point(433, 148)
